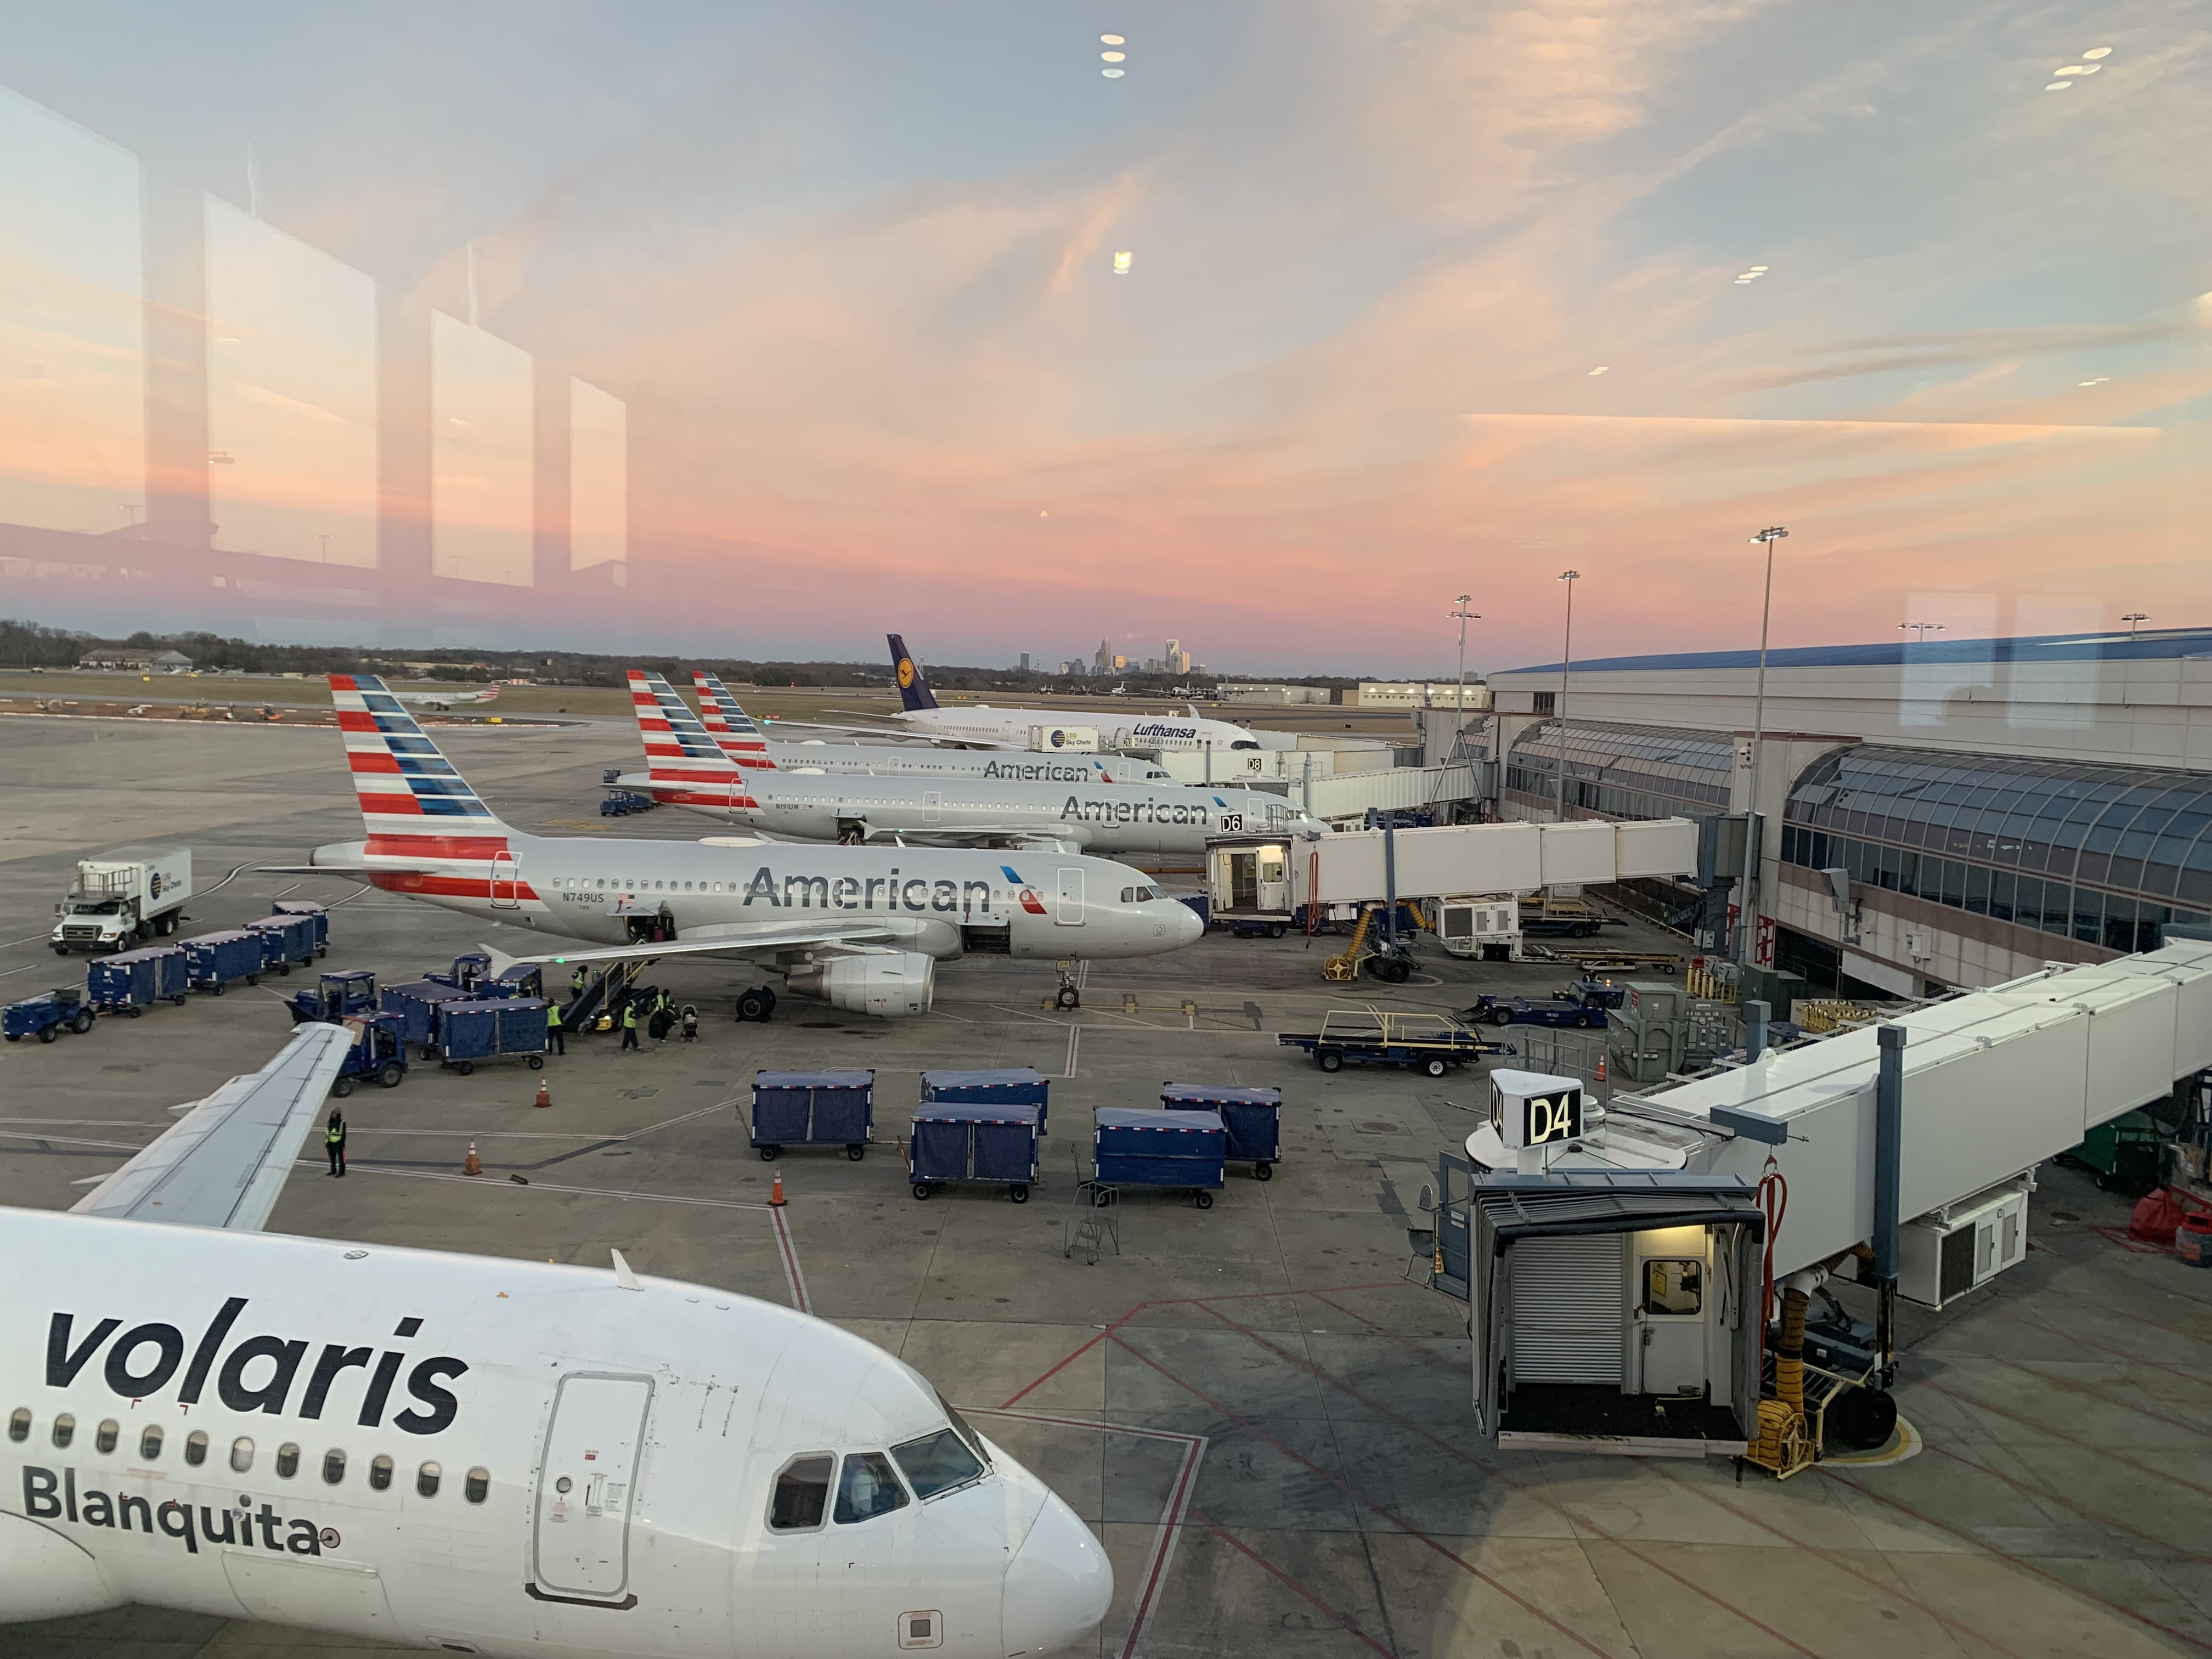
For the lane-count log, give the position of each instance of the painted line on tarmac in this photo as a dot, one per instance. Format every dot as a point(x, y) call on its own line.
point(547, 1186)
point(1074, 1039)
point(1269, 1567)
point(789, 1251)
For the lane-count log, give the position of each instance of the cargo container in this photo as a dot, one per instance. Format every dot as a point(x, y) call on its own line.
point(472, 1031)
point(215, 960)
point(1149, 1147)
point(307, 908)
point(420, 1004)
point(285, 940)
point(1251, 1118)
point(132, 981)
point(1002, 1085)
point(954, 1142)
point(813, 1108)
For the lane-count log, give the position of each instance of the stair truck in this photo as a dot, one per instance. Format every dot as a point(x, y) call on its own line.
point(114, 904)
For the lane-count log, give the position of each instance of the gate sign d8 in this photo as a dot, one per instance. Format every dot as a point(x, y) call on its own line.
point(1555, 1116)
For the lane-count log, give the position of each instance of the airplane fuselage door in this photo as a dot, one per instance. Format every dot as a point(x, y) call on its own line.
point(586, 1481)
point(1069, 912)
point(506, 879)
point(932, 802)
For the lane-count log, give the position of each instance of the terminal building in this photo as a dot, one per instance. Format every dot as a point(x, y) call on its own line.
point(1934, 815)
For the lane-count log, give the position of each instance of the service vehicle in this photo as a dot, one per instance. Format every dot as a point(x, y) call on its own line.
point(1581, 1005)
point(1433, 1043)
point(46, 1017)
point(379, 1054)
point(114, 904)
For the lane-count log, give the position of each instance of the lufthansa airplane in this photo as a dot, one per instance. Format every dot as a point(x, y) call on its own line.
point(686, 768)
point(978, 724)
point(742, 740)
point(465, 1454)
point(862, 928)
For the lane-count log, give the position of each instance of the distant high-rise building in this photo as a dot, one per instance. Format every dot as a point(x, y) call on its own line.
point(1025, 662)
point(1168, 657)
point(1119, 663)
point(1105, 659)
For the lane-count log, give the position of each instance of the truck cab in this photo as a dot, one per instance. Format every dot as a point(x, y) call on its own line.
point(114, 904)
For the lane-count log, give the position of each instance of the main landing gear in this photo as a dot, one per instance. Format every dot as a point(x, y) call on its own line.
point(757, 1005)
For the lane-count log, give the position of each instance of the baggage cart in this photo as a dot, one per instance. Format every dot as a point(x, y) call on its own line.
point(131, 982)
point(1150, 1147)
point(813, 1108)
point(214, 961)
point(310, 909)
point(473, 1031)
point(47, 1016)
point(1433, 1043)
point(285, 940)
point(1252, 1118)
point(956, 1141)
point(1002, 1085)
point(420, 1004)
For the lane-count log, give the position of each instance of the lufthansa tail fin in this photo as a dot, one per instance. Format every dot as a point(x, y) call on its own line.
point(415, 803)
point(913, 684)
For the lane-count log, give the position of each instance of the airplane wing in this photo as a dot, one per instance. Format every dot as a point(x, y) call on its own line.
point(225, 1164)
point(759, 942)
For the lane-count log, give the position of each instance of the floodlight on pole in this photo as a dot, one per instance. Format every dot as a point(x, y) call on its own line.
point(1560, 712)
point(1465, 617)
point(2134, 619)
point(1754, 849)
point(1920, 630)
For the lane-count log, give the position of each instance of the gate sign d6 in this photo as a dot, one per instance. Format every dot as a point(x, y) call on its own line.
point(1536, 1109)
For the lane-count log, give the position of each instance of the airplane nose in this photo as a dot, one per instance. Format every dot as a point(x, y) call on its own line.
point(1189, 929)
point(1059, 1584)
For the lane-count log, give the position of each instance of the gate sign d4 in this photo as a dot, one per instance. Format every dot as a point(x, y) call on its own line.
point(1545, 1118)
point(1536, 1109)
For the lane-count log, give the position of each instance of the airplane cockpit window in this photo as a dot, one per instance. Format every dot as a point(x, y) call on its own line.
point(965, 1431)
point(379, 1473)
point(937, 1462)
point(287, 1459)
point(242, 1454)
point(18, 1424)
point(149, 1444)
point(196, 1444)
point(1244, 743)
point(105, 1437)
point(869, 1488)
point(802, 1493)
point(334, 1462)
point(65, 1429)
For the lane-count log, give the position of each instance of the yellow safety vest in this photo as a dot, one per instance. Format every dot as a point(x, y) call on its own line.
point(553, 1015)
point(629, 1017)
point(334, 1134)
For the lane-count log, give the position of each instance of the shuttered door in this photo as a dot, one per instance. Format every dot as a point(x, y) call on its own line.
point(1569, 1310)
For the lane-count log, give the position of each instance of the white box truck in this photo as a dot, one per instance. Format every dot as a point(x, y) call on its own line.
point(115, 904)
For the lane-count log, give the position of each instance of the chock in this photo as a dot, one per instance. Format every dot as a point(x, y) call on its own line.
point(471, 1166)
point(775, 1192)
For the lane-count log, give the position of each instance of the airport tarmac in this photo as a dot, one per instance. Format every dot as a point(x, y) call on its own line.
point(1261, 1407)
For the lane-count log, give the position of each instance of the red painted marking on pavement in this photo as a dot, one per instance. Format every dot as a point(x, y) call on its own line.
point(790, 1254)
point(1261, 1561)
point(2061, 1434)
point(2030, 1487)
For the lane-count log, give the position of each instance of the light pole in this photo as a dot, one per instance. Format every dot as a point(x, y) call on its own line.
point(1753, 852)
point(1559, 712)
point(1920, 631)
point(1465, 617)
point(2134, 619)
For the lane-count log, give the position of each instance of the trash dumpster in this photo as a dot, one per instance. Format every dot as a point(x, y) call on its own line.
point(1252, 1118)
point(813, 1108)
point(134, 981)
point(215, 960)
point(1003, 1085)
point(420, 1004)
point(308, 908)
point(285, 940)
point(1149, 1147)
point(955, 1141)
point(473, 1031)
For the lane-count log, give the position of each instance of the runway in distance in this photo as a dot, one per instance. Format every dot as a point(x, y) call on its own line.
point(470, 1453)
point(860, 927)
point(686, 768)
point(740, 738)
point(922, 715)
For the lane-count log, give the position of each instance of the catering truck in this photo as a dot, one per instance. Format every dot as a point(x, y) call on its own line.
point(117, 902)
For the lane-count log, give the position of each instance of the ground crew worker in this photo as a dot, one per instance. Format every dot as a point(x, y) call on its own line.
point(629, 1024)
point(554, 1034)
point(578, 979)
point(334, 1141)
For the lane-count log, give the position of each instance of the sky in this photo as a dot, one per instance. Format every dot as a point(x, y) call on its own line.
point(1424, 299)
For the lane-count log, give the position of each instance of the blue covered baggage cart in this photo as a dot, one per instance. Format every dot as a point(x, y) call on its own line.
point(1001, 1085)
point(420, 1005)
point(46, 1017)
point(1149, 1147)
point(813, 1108)
point(307, 908)
point(956, 1141)
point(132, 981)
point(475, 1031)
point(285, 940)
point(1252, 1118)
point(215, 960)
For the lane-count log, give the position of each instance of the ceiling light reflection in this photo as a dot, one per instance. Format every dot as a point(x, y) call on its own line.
point(1113, 74)
point(2058, 86)
point(2095, 52)
point(1112, 40)
point(1114, 56)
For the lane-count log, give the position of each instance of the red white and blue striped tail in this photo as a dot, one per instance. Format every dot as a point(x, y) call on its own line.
point(416, 804)
point(684, 765)
point(735, 730)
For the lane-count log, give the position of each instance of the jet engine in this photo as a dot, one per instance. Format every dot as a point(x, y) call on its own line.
point(889, 984)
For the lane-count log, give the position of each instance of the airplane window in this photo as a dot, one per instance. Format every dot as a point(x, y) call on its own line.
point(478, 1486)
point(961, 1427)
point(426, 1480)
point(18, 1424)
point(103, 1439)
point(379, 1473)
point(802, 1492)
point(65, 1429)
point(242, 1454)
point(868, 1489)
point(149, 1444)
point(333, 1467)
point(937, 1463)
point(196, 1448)
point(288, 1461)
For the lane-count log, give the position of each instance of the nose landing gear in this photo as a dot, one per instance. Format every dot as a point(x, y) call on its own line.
point(1069, 995)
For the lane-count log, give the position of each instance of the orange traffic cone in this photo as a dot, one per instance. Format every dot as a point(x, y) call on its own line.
point(471, 1166)
point(544, 1092)
point(775, 1192)
point(1601, 1071)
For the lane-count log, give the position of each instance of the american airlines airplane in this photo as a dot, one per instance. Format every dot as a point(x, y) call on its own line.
point(862, 928)
point(473, 1455)
point(686, 768)
point(920, 715)
point(742, 740)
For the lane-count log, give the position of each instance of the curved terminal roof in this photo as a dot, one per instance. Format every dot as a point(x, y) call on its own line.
point(2164, 644)
point(1684, 766)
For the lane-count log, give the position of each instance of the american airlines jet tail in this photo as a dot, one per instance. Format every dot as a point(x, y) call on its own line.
point(472, 1455)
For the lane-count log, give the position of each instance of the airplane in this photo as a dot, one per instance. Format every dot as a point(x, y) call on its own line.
point(742, 738)
point(441, 702)
point(477, 1455)
point(861, 928)
point(686, 768)
point(920, 715)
